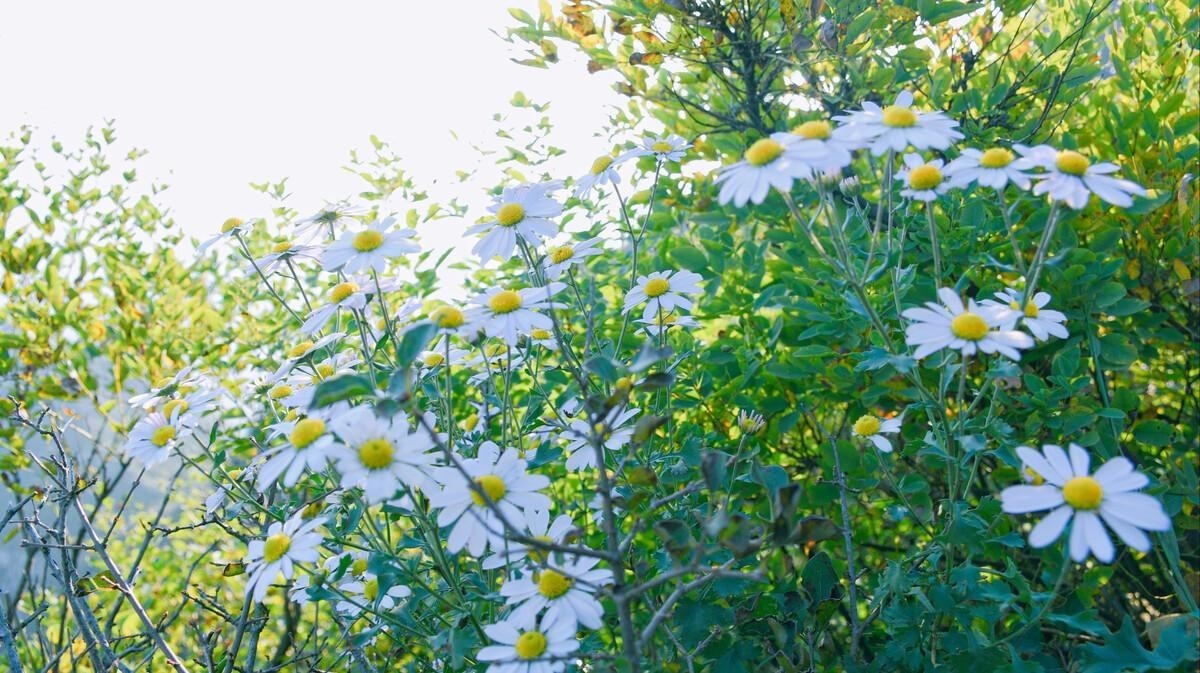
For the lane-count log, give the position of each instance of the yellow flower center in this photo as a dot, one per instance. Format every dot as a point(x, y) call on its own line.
point(163, 382)
point(1083, 493)
point(539, 555)
point(814, 130)
point(171, 407)
point(367, 240)
point(432, 359)
point(1034, 478)
point(969, 326)
point(1071, 162)
point(282, 247)
point(510, 214)
point(1031, 309)
point(324, 370)
point(341, 291)
point(561, 254)
point(162, 435)
point(866, 426)
point(231, 224)
point(505, 301)
point(553, 584)
point(540, 334)
point(763, 152)
point(997, 157)
point(280, 392)
point(599, 166)
point(662, 147)
point(490, 484)
point(371, 589)
point(359, 566)
point(530, 645)
point(447, 317)
point(306, 432)
point(924, 177)
point(657, 287)
point(899, 117)
point(275, 547)
point(376, 454)
point(300, 350)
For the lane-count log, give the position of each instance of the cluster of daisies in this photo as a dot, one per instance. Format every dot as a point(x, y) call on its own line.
point(820, 151)
point(483, 497)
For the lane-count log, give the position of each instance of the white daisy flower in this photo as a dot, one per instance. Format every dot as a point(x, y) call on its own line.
point(968, 329)
point(1072, 493)
point(995, 168)
point(503, 478)
point(302, 351)
point(435, 357)
point(923, 181)
point(750, 422)
point(229, 228)
point(873, 428)
point(603, 171)
point(369, 248)
point(543, 338)
point(815, 147)
point(152, 438)
point(164, 388)
point(1042, 322)
point(508, 314)
point(381, 455)
point(561, 258)
point(309, 444)
point(350, 294)
point(293, 541)
point(362, 594)
point(281, 253)
point(657, 324)
point(896, 127)
point(525, 646)
point(762, 167)
point(189, 406)
point(614, 431)
point(326, 220)
point(663, 148)
point(566, 591)
point(518, 211)
point(452, 320)
point(539, 527)
point(1071, 178)
point(663, 291)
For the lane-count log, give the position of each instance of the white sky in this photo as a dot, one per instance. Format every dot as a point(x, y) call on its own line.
point(224, 93)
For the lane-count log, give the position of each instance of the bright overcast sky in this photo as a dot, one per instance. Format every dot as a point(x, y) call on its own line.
point(225, 93)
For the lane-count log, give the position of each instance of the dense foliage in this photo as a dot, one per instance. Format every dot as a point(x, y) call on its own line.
point(769, 417)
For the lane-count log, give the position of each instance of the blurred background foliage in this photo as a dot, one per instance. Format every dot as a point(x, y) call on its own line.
point(96, 303)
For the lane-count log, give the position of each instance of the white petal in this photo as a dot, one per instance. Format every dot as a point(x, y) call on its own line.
point(1138, 509)
point(1023, 498)
point(1038, 463)
point(1050, 527)
point(1097, 537)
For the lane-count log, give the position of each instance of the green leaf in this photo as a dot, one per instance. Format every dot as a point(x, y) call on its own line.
point(690, 258)
point(1153, 432)
point(1122, 651)
point(820, 580)
point(602, 367)
point(339, 389)
point(414, 340)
